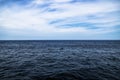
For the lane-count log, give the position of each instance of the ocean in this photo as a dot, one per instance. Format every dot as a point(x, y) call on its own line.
point(60, 60)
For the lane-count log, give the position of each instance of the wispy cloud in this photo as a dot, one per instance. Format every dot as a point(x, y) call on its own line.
point(59, 18)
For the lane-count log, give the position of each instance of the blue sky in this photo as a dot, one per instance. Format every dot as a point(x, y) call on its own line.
point(59, 19)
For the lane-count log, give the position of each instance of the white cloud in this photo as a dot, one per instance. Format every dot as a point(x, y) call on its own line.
point(38, 1)
point(35, 19)
point(57, 1)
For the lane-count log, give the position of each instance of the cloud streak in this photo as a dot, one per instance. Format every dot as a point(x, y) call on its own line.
point(40, 19)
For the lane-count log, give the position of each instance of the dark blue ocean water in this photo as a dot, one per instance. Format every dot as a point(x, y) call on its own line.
point(60, 60)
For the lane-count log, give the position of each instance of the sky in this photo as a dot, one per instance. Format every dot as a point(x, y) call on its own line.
point(59, 19)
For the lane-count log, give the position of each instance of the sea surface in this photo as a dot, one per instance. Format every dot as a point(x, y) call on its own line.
point(60, 60)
